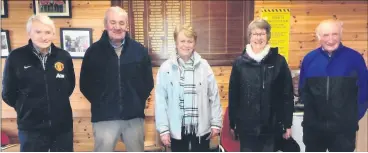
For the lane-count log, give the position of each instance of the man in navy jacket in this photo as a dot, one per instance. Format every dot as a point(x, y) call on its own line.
point(333, 86)
point(116, 77)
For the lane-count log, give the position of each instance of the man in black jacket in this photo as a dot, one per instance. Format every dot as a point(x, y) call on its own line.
point(38, 81)
point(116, 77)
point(260, 92)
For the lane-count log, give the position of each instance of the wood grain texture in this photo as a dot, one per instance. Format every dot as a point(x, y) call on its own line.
point(89, 14)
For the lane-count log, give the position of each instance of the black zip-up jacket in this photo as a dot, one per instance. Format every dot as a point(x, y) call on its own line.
point(117, 87)
point(260, 94)
point(40, 96)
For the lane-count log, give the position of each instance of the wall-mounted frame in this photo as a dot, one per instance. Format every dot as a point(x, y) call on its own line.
point(4, 8)
point(219, 41)
point(5, 43)
point(53, 8)
point(75, 40)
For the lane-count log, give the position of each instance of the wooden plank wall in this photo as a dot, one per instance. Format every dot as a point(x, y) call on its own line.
point(305, 17)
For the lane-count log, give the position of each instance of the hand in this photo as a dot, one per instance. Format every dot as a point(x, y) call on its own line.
point(287, 134)
point(165, 139)
point(233, 135)
point(214, 132)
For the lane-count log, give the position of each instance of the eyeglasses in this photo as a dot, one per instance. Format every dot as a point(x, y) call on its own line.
point(259, 34)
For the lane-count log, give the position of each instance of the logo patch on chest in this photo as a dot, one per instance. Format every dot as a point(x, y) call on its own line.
point(59, 66)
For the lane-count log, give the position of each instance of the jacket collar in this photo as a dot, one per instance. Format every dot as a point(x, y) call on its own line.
point(261, 55)
point(32, 48)
point(105, 38)
point(334, 53)
point(106, 41)
point(271, 54)
point(174, 59)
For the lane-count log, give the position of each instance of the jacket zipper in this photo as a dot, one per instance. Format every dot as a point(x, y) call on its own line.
point(263, 80)
point(263, 77)
point(47, 96)
point(327, 88)
point(248, 93)
point(47, 91)
point(262, 88)
point(119, 80)
point(327, 95)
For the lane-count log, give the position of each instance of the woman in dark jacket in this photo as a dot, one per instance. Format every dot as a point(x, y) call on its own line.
point(260, 92)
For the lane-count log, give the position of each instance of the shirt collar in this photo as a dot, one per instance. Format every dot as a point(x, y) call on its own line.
point(115, 46)
point(37, 50)
point(333, 52)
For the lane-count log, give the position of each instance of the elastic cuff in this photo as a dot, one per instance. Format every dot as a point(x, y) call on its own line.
point(215, 127)
point(165, 132)
point(288, 126)
point(232, 125)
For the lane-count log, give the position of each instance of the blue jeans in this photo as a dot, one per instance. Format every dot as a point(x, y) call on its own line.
point(41, 141)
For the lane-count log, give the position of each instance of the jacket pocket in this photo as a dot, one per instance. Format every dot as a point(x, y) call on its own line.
point(139, 101)
point(132, 98)
point(201, 84)
point(32, 111)
point(20, 105)
point(102, 98)
point(136, 103)
point(63, 86)
point(131, 70)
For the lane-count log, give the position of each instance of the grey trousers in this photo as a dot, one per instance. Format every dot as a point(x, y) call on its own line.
point(131, 132)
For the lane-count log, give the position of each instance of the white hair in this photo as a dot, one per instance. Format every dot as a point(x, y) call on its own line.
point(115, 9)
point(41, 18)
point(329, 21)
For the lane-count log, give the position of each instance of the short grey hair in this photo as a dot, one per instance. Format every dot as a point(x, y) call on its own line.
point(44, 19)
point(115, 9)
point(259, 24)
point(338, 23)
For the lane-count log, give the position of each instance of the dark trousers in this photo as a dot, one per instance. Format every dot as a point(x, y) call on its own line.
point(197, 145)
point(320, 141)
point(46, 141)
point(254, 143)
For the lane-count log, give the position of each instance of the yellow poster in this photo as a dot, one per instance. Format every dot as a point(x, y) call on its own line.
point(280, 28)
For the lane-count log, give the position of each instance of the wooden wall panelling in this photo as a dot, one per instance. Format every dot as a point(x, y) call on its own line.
point(305, 17)
point(362, 135)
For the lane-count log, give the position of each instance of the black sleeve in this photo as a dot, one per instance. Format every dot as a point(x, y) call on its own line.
point(305, 93)
point(10, 86)
point(86, 80)
point(287, 95)
point(234, 90)
point(147, 76)
point(71, 75)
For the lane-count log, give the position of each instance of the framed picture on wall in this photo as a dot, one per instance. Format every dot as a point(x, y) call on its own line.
point(4, 8)
point(75, 40)
point(53, 8)
point(5, 43)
